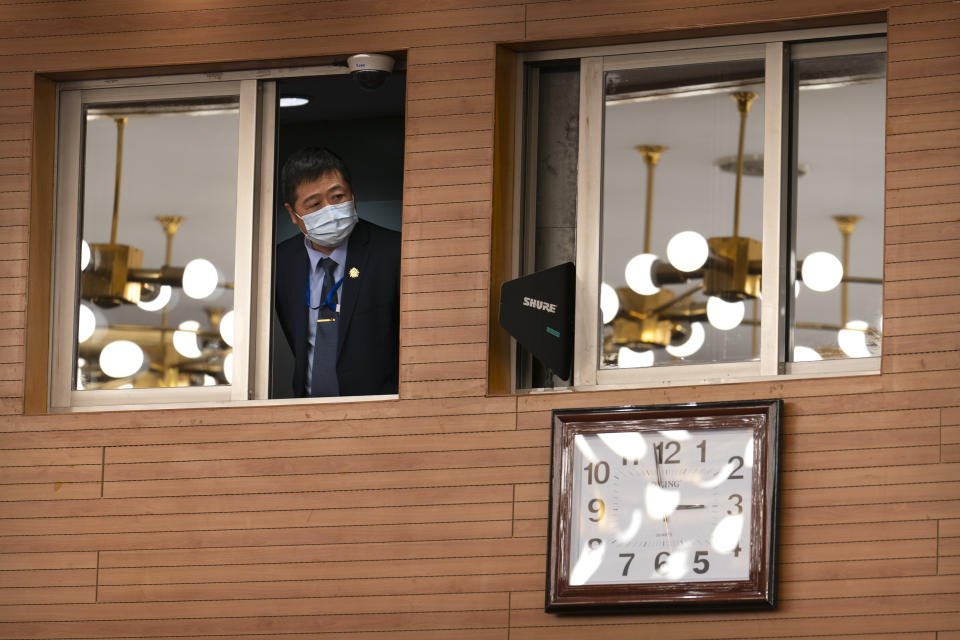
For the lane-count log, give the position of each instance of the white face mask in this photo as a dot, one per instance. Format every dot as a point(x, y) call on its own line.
point(331, 225)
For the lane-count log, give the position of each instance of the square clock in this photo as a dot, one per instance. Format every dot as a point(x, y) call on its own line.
point(664, 507)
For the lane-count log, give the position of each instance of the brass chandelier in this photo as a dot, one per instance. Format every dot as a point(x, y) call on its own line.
point(644, 317)
point(114, 355)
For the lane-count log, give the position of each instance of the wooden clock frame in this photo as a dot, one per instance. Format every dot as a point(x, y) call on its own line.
point(759, 591)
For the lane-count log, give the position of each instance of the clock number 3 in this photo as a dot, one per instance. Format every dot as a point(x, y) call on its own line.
point(596, 506)
point(737, 504)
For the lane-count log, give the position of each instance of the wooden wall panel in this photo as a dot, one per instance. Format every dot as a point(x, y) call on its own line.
point(424, 518)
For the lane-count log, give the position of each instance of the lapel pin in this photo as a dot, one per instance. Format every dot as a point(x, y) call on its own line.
point(354, 272)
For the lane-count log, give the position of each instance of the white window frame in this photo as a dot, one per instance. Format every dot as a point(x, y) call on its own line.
point(253, 250)
point(772, 48)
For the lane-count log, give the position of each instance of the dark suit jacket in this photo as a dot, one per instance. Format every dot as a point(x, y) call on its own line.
point(367, 345)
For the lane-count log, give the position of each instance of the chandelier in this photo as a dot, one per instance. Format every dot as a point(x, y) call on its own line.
point(722, 275)
point(115, 355)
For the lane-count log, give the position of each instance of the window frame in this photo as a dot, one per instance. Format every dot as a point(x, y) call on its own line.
point(777, 49)
point(253, 249)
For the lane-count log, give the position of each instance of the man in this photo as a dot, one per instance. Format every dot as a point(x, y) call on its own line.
point(337, 285)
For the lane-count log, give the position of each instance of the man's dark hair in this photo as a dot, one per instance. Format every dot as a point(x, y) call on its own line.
point(307, 165)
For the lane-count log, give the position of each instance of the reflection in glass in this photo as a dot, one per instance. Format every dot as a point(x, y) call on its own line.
point(150, 308)
point(682, 213)
point(839, 206)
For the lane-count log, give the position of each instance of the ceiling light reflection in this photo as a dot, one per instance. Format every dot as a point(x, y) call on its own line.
point(200, 278)
point(185, 341)
point(121, 358)
point(584, 447)
point(725, 315)
point(629, 445)
point(853, 339)
point(821, 271)
point(627, 358)
point(687, 251)
point(158, 303)
point(660, 502)
point(587, 564)
point(726, 535)
point(693, 343)
point(609, 303)
point(639, 274)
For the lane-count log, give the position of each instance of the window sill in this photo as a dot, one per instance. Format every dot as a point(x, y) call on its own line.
point(708, 375)
point(219, 404)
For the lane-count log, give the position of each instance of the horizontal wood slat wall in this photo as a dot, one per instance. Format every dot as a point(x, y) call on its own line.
point(424, 518)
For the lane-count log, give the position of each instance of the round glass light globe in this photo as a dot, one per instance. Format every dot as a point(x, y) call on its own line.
point(158, 303)
point(693, 343)
point(209, 381)
point(86, 323)
point(185, 340)
point(200, 278)
point(121, 358)
point(226, 327)
point(805, 354)
point(687, 251)
point(821, 271)
point(84, 255)
point(853, 339)
point(627, 358)
point(639, 274)
point(609, 304)
point(725, 315)
point(228, 368)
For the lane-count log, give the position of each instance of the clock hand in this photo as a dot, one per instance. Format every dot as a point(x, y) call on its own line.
point(666, 523)
point(691, 506)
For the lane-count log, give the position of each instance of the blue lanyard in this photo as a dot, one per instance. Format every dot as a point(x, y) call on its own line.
point(329, 301)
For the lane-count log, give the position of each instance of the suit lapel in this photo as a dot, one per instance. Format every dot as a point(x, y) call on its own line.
point(300, 313)
point(356, 265)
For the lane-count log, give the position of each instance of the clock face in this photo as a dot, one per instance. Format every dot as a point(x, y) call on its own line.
point(669, 506)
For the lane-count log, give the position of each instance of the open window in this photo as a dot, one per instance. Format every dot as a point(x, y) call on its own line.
point(722, 200)
point(167, 220)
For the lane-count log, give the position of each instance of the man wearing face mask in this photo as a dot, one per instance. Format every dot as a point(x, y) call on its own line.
point(337, 285)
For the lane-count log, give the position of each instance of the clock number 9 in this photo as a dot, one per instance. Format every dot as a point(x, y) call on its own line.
point(600, 472)
point(596, 506)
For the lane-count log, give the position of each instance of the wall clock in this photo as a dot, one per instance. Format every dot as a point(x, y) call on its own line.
point(664, 507)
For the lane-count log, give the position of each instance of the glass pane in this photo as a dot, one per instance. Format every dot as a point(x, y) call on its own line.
point(839, 206)
point(157, 251)
point(681, 217)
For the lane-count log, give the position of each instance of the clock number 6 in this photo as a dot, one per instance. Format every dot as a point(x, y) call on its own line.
point(600, 472)
point(596, 506)
point(660, 560)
